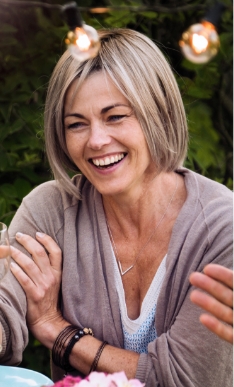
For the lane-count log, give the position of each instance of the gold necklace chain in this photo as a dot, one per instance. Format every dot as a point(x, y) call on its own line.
point(148, 240)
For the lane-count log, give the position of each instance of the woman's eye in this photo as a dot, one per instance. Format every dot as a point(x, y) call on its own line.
point(76, 125)
point(116, 117)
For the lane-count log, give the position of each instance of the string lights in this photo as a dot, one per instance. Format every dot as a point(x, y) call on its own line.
point(82, 40)
point(199, 44)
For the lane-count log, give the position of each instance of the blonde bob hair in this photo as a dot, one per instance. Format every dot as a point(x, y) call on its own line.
point(140, 71)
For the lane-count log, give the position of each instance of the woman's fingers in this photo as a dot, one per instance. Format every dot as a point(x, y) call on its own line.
point(43, 270)
point(55, 253)
point(40, 277)
point(220, 273)
point(22, 277)
point(210, 304)
point(218, 290)
point(217, 282)
point(44, 254)
point(42, 301)
point(222, 330)
point(27, 266)
point(36, 250)
point(36, 286)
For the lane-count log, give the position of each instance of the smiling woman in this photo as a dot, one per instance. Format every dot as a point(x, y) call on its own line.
point(104, 138)
point(101, 277)
point(150, 94)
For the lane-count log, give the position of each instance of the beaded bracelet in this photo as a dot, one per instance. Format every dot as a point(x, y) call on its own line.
point(76, 337)
point(97, 357)
point(60, 351)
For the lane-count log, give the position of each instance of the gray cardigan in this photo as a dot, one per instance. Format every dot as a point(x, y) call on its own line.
point(185, 354)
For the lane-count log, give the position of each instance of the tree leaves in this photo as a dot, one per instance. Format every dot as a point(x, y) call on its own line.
point(204, 139)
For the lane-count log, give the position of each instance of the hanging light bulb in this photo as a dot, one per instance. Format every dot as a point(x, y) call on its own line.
point(200, 43)
point(82, 40)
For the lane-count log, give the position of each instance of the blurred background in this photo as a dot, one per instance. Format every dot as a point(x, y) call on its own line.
point(32, 41)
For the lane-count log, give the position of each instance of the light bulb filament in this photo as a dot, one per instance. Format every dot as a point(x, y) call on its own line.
point(83, 41)
point(199, 43)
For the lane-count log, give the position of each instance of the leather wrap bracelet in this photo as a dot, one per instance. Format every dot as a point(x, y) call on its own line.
point(97, 357)
point(64, 343)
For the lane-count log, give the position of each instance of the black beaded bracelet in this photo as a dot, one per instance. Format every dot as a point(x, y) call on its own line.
point(61, 351)
point(76, 337)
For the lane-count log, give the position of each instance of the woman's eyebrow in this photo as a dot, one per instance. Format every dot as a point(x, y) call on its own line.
point(104, 110)
point(74, 115)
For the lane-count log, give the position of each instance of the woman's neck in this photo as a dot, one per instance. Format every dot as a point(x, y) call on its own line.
point(133, 213)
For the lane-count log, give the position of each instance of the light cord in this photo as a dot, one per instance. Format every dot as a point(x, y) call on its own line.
point(155, 8)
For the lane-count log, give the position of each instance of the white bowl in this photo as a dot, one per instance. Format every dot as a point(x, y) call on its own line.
point(21, 377)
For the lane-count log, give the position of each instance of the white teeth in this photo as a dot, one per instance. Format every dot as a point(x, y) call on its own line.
point(108, 160)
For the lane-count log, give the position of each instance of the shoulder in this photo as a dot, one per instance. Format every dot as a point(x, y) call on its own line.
point(206, 191)
point(53, 194)
point(209, 206)
point(51, 200)
point(46, 208)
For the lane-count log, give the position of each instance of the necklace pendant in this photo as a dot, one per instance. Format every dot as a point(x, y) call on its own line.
point(121, 270)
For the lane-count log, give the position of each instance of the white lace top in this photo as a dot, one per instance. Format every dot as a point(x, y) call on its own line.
point(140, 332)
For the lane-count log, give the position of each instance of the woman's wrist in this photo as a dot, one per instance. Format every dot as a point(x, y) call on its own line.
point(47, 332)
point(83, 353)
point(64, 344)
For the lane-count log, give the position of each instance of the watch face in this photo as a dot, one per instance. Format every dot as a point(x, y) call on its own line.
point(21, 377)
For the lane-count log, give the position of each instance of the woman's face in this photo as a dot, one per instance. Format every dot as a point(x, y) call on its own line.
point(104, 138)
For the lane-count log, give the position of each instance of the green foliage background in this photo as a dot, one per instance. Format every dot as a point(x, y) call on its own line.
point(31, 42)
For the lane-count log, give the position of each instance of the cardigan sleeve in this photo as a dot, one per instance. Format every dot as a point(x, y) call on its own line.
point(13, 304)
point(187, 355)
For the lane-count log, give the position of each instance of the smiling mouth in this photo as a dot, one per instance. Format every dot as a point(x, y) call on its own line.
point(107, 162)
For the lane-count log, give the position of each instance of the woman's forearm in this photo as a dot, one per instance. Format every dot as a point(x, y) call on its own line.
point(112, 359)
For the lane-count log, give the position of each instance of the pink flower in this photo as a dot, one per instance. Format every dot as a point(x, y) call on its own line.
point(68, 381)
point(99, 379)
point(119, 379)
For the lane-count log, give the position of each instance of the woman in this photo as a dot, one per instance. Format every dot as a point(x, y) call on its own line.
point(127, 232)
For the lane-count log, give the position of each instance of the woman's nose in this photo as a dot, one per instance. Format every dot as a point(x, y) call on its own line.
point(98, 137)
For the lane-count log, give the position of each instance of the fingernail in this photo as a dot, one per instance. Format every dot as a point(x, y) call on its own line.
point(40, 234)
point(13, 265)
point(19, 235)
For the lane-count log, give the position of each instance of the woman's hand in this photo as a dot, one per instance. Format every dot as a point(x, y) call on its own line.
point(40, 277)
point(217, 281)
